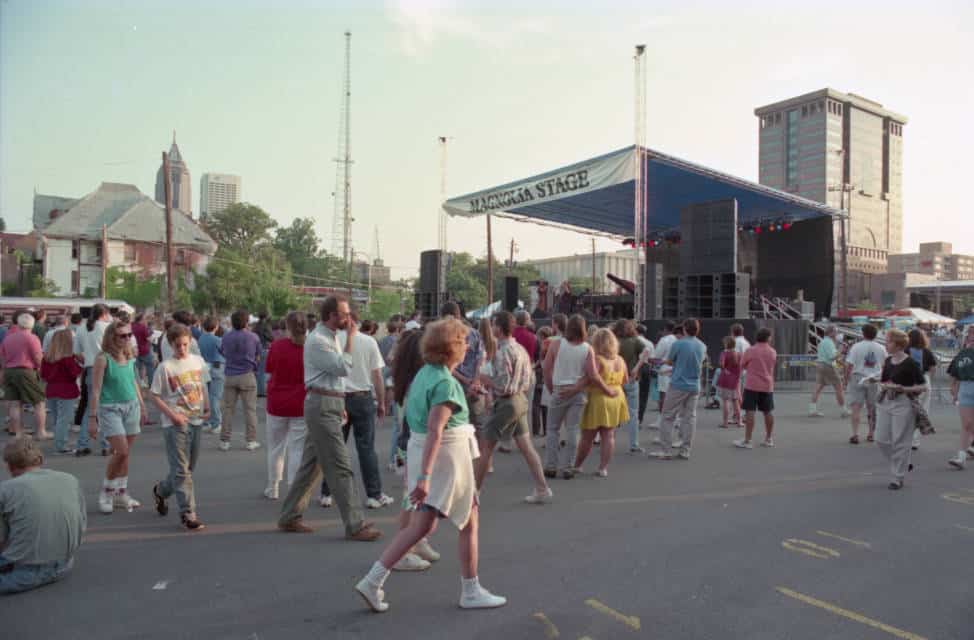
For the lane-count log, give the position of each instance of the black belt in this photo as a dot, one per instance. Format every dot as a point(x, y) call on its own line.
point(352, 394)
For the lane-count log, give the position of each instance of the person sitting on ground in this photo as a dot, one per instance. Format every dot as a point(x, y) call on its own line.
point(42, 519)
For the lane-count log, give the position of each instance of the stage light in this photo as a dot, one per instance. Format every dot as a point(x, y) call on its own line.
point(756, 230)
point(786, 225)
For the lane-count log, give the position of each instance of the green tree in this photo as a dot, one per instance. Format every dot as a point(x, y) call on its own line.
point(140, 290)
point(240, 228)
point(386, 302)
point(3, 225)
point(41, 287)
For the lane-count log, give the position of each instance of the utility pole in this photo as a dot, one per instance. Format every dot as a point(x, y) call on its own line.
point(104, 262)
point(510, 262)
point(441, 244)
point(169, 255)
point(593, 266)
point(641, 214)
point(490, 266)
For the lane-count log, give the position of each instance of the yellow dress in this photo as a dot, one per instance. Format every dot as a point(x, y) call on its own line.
point(601, 410)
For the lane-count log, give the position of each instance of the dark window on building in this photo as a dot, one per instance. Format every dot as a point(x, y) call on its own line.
point(130, 252)
point(74, 249)
point(180, 256)
point(76, 281)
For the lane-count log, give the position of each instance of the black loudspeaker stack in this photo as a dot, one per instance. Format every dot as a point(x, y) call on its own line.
point(432, 272)
point(510, 293)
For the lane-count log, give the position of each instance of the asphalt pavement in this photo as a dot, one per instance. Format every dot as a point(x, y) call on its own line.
point(803, 541)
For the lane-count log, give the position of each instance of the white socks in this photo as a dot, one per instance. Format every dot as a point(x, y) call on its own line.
point(121, 485)
point(377, 574)
point(470, 586)
point(109, 486)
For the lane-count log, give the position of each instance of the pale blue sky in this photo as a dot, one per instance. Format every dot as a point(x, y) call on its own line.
point(91, 91)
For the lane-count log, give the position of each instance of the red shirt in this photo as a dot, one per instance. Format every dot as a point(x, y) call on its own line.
point(758, 363)
point(285, 391)
point(141, 333)
point(61, 378)
point(526, 338)
point(20, 349)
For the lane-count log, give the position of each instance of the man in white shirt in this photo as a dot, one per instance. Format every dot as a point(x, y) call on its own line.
point(364, 402)
point(864, 360)
point(740, 346)
point(661, 354)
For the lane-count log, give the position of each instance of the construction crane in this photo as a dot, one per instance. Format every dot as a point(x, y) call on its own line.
point(341, 226)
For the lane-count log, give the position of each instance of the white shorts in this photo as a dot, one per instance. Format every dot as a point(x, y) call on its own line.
point(663, 382)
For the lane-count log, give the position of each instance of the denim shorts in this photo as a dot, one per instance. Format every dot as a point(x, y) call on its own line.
point(965, 395)
point(120, 419)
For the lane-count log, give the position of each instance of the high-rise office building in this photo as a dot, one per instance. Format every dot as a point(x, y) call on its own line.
point(217, 192)
point(846, 151)
point(181, 187)
point(934, 258)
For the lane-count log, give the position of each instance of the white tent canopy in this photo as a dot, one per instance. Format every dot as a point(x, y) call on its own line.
point(921, 316)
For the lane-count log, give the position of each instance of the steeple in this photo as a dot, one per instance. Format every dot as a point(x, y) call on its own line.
point(174, 155)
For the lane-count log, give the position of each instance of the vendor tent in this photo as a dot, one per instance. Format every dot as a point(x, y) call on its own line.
point(966, 320)
point(921, 316)
point(598, 195)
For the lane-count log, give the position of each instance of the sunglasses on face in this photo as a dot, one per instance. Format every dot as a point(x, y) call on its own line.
point(125, 336)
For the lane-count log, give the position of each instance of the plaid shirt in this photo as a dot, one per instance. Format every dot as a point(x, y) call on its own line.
point(512, 369)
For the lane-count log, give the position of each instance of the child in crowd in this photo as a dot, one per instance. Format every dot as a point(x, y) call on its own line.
point(179, 391)
point(606, 408)
point(729, 382)
point(60, 370)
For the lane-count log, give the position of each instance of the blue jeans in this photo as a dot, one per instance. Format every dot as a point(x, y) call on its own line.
point(60, 413)
point(631, 389)
point(25, 577)
point(215, 389)
point(361, 419)
point(182, 451)
point(148, 365)
point(262, 374)
point(83, 439)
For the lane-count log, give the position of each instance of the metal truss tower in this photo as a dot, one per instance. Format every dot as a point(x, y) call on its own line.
point(341, 226)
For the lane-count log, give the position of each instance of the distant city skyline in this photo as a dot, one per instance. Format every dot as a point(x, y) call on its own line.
point(520, 90)
point(218, 191)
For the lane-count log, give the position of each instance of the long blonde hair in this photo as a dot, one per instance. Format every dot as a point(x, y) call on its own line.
point(605, 344)
point(61, 347)
point(110, 345)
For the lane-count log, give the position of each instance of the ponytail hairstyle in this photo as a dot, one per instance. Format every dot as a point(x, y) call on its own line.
point(97, 312)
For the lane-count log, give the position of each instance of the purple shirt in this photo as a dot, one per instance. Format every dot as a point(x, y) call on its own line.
point(241, 348)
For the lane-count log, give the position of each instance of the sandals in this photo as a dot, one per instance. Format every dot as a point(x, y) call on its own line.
point(854, 440)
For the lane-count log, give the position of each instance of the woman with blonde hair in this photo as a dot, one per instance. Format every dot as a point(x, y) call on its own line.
point(286, 429)
point(116, 409)
point(901, 382)
point(604, 412)
point(60, 370)
point(440, 473)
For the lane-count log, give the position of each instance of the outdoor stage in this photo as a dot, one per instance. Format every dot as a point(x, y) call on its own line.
point(787, 244)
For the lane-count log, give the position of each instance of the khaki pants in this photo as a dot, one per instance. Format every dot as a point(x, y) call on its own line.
point(244, 387)
point(324, 454)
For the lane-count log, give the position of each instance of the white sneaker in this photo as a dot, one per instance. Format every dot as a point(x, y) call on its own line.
point(411, 562)
point(373, 595)
point(677, 444)
point(958, 461)
point(539, 498)
point(846, 413)
point(391, 467)
point(657, 440)
point(683, 455)
point(813, 411)
point(768, 443)
point(743, 444)
point(214, 430)
point(660, 455)
point(106, 502)
point(325, 501)
point(271, 493)
point(482, 599)
point(970, 452)
point(425, 550)
point(378, 503)
point(224, 446)
point(253, 445)
point(125, 501)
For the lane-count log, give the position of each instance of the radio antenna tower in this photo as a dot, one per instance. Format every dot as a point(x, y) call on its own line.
point(441, 244)
point(341, 225)
point(376, 254)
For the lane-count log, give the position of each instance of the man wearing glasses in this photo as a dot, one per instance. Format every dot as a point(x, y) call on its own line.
point(326, 365)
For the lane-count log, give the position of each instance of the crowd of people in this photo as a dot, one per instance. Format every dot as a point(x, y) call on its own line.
point(457, 394)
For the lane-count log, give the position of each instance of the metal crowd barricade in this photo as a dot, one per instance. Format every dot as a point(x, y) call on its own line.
point(795, 373)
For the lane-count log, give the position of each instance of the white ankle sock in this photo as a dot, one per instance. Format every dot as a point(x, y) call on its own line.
point(122, 485)
point(377, 574)
point(470, 586)
point(109, 485)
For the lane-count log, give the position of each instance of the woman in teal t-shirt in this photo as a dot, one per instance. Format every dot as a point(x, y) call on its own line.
point(440, 468)
point(116, 409)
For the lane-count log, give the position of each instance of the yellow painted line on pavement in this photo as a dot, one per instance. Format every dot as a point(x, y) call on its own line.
point(851, 615)
point(858, 543)
point(956, 497)
point(630, 621)
point(550, 630)
point(809, 548)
